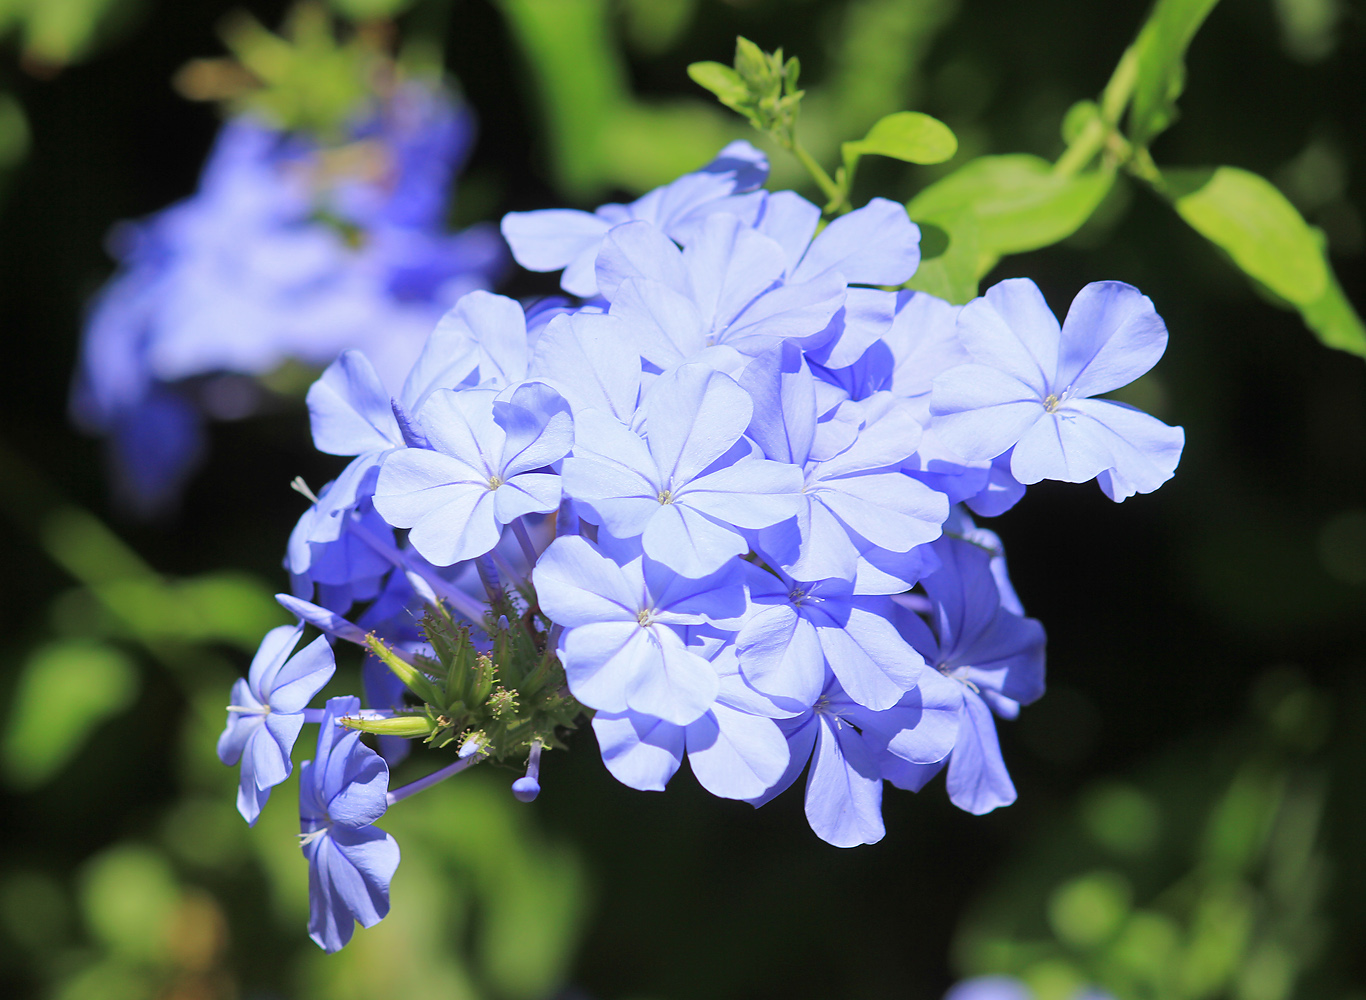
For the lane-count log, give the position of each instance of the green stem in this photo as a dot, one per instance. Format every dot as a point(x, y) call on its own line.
point(1120, 88)
point(835, 195)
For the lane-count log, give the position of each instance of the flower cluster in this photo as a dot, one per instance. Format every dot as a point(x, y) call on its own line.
point(723, 504)
point(289, 251)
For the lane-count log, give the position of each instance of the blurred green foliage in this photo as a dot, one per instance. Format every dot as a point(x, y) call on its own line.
point(1203, 876)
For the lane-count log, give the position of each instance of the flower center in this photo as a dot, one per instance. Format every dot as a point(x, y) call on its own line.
point(666, 496)
point(645, 618)
point(495, 482)
point(1050, 403)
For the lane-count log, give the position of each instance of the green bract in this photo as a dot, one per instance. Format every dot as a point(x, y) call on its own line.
point(506, 699)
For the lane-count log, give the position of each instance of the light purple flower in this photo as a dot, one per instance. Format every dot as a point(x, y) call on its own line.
point(556, 238)
point(482, 471)
point(686, 490)
point(267, 712)
point(1030, 386)
point(342, 791)
point(621, 612)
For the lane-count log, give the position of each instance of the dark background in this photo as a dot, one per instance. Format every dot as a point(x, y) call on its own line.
point(1161, 612)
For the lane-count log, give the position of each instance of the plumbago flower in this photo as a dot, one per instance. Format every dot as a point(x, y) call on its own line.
point(288, 251)
point(720, 509)
point(268, 711)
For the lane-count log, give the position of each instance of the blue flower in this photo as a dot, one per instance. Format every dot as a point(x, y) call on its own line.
point(557, 238)
point(798, 628)
point(685, 489)
point(247, 274)
point(986, 656)
point(847, 745)
point(267, 712)
point(342, 792)
point(481, 471)
point(724, 288)
point(1030, 385)
point(621, 611)
point(736, 749)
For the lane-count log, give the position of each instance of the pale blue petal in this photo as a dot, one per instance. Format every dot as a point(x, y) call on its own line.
point(551, 238)
point(1012, 330)
point(750, 494)
point(270, 656)
point(593, 359)
point(980, 412)
point(862, 321)
point(674, 684)
point(729, 265)
point(533, 493)
point(1111, 336)
point(1145, 451)
point(538, 425)
point(978, 781)
point(666, 328)
point(781, 656)
point(302, 677)
point(790, 220)
point(601, 660)
point(843, 788)
point(640, 751)
point(783, 392)
point(801, 739)
point(890, 509)
point(872, 662)
point(576, 585)
point(688, 542)
point(924, 342)
point(802, 310)
point(693, 416)
point(735, 755)
point(877, 244)
point(349, 409)
point(1066, 446)
point(461, 425)
point(639, 250)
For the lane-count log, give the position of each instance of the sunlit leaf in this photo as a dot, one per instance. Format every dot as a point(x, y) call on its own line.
point(950, 259)
point(1334, 321)
point(1161, 49)
point(721, 80)
point(1249, 219)
point(906, 135)
point(1019, 202)
point(64, 692)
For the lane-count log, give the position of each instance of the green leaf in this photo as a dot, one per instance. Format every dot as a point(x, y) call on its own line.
point(64, 692)
point(721, 80)
point(906, 135)
point(1161, 49)
point(1334, 321)
point(1245, 216)
point(1017, 200)
point(950, 258)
